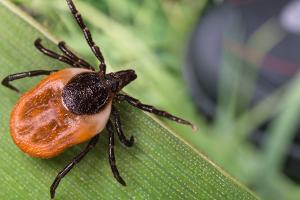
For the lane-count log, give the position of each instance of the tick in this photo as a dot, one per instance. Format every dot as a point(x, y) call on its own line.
point(73, 105)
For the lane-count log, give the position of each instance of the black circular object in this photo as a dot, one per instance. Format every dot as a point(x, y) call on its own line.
point(85, 94)
point(229, 27)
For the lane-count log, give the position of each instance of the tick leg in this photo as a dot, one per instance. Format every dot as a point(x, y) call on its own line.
point(111, 153)
point(120, 132)
point(52, 54)
point(151, 109)
point(88, 36)
point(20, 75)
point(62, 46)
point(69, 166)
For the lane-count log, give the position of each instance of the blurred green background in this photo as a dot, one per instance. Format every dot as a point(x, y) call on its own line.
point(150, 37)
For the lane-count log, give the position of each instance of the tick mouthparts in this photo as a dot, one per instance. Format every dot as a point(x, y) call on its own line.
point(123, 77)
point(126, 75)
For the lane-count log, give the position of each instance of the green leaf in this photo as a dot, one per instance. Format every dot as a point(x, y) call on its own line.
point(159, 166)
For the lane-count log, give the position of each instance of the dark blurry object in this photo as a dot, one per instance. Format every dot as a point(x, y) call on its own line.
point(279, 64)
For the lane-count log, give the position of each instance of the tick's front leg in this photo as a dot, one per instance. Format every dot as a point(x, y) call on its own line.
point(151, 109)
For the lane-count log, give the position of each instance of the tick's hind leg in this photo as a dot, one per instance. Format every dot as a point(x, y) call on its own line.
point(20, 75)
point(120, 132)
point(136, 103)
point(69, 166)
point(111, 153)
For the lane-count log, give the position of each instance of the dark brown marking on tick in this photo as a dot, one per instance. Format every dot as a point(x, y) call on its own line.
point(86, 94)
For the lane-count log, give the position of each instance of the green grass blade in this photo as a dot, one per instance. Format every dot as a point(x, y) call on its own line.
point(159, 166)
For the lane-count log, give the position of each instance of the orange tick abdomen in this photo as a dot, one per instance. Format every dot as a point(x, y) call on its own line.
point(41, 125)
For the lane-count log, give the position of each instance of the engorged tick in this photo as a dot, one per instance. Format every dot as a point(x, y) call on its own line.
point(73, 105)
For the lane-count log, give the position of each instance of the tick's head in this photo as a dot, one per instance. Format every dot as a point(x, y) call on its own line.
point(120, 79)
point(89, 92)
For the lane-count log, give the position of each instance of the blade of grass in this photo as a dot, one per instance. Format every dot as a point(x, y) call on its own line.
point(159, 166)
point(280, 135)
point(236, 90)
